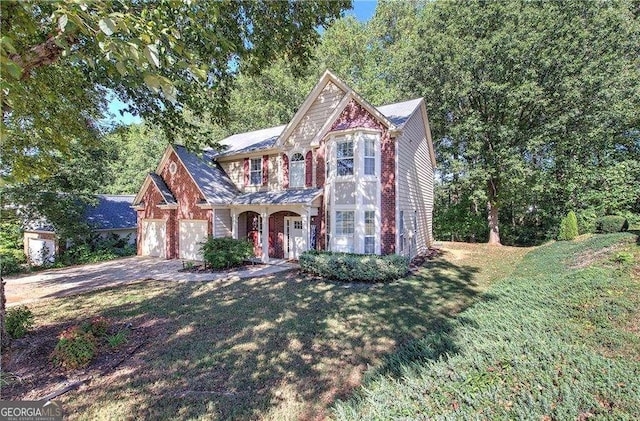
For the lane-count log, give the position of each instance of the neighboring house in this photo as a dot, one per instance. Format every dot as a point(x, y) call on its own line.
point(342, 175)
point(112, 214)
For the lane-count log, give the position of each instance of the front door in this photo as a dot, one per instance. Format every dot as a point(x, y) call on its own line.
point(294, 237)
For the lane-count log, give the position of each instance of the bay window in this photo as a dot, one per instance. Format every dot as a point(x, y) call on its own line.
point(344, 158)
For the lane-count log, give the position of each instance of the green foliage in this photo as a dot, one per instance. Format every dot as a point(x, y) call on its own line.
point(76, 348)
point(623, 257)
point(586, 221)
point(548, 341)
point(97, 326)
point(63, 59)
point(568, 227)
point(118, 338)
point(98, 248)
point(354, 267)
point(11, 252)
point(18, 321)
point(223, 253)
point(611, 223)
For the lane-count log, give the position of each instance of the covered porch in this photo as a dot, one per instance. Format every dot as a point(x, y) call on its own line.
point(281, 225)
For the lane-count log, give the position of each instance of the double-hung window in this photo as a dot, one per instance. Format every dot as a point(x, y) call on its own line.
point(369, 232)
point(255, 174)
point(369, 156)
point(296, 170)
point(344, 230)
point(344, 158)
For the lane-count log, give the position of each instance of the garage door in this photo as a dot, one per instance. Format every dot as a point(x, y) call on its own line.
point(154, 234)
point(192, 234)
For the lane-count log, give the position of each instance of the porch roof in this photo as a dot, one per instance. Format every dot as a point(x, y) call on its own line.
point(286, 197)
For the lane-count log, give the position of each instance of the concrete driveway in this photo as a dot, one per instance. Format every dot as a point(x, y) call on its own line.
point(77, 279)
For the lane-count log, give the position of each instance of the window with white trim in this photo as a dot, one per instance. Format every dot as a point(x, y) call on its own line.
point(369, 232)
point(345, 222)
point(369, 156)
point(296, 170)
point(401, 230)
point(344, 158)
point(255, 172)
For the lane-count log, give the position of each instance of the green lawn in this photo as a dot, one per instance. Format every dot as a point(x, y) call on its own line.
point(284, 347)
point(557, 339)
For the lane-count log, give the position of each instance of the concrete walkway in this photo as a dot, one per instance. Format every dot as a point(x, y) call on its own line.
point(77, 279)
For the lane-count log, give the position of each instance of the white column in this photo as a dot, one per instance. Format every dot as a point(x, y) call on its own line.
point(305, 228)
point(234, 224)
point(265, 236)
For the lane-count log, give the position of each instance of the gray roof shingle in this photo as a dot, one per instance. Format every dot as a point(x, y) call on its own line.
point(167, 196)
point(112, 212)
point(286, 197)
point(210, 177)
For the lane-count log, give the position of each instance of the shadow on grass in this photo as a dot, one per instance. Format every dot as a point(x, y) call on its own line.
point(275, 347)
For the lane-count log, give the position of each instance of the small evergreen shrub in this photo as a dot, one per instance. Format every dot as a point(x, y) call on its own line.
point(586, 221)
point(76, 348)
point(568, 227)
point(18, 321)
point(354, 267)
point(226, 252)
point(611, 223)
point(97, 326)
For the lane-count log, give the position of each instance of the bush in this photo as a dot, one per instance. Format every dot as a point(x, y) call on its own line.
point(611, 223)
point(223, 253)
point(18, 321)
point(568, 227)
point(98, 326)
point(586, 221)
point(11, 261)
point(354, 267)
point(75, 348)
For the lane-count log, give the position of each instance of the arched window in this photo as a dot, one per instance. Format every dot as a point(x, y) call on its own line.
point(296, 170)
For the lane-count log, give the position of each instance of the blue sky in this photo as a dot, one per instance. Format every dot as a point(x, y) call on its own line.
point(362, 9)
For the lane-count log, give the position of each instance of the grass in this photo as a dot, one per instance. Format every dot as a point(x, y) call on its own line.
point(284, 347)
point(556, 339)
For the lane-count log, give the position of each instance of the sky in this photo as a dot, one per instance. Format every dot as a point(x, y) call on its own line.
point(362, 9)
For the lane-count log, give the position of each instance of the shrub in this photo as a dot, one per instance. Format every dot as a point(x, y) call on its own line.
point(222, 253)
point(623, 257)
point(611, 223)
point(11, 261)
point(354, 267)
point(98, 326)
point(586, 221)
point(117, 339)
point(75, 348)
point(568, 227)
point(18, 321)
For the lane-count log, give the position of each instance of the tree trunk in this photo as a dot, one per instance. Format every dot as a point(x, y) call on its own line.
point(492, 219)
point(3, 331)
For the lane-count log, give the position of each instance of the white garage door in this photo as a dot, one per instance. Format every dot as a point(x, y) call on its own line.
point(192, 234)
point(154, 234)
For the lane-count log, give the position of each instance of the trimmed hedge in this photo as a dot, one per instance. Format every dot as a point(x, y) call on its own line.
point(226, 252)
point(354, 267)
point(611, 223)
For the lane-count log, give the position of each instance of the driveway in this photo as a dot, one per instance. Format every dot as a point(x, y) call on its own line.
point(77, 279)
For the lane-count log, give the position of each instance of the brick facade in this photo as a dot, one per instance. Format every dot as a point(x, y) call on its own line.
point(186, 194)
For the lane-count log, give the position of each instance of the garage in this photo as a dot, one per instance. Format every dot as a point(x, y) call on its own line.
point(192, 234)
point(154, 234)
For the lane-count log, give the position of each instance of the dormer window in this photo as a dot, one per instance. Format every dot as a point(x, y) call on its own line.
point(255, 174)
point(296, 170)
point(344, 158)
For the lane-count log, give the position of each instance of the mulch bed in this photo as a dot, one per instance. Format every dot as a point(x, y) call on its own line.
point(202, 269)
point(28, 372)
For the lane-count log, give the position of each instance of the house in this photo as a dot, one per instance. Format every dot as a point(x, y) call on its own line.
point(112, 214)
point(342, 175)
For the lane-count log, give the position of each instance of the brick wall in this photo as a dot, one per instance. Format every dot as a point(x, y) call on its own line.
point(188, 196)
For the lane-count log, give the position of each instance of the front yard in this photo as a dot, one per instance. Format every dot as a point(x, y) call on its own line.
point(281, 347)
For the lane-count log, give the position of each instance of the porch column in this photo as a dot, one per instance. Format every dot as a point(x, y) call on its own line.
point(265, 236)
point(305, 228)
point(234, 224)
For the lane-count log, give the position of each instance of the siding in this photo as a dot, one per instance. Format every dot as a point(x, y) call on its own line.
point(415, 183)
point(222, 224)
point(316, 117)
point(235, 171)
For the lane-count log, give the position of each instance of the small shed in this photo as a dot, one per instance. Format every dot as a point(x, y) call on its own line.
point(111, 215)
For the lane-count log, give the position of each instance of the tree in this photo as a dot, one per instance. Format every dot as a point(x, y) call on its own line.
point(161, 57)
point(524, 94)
